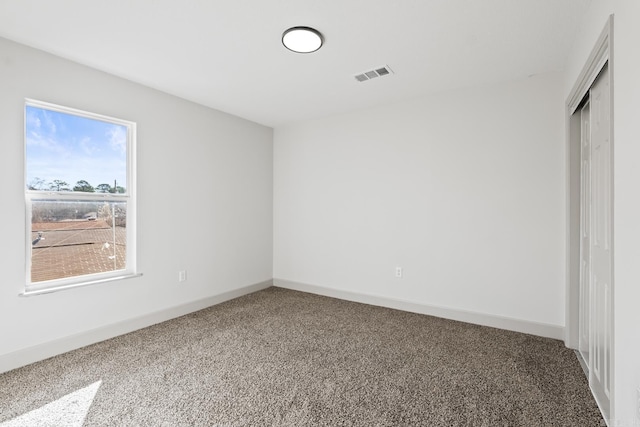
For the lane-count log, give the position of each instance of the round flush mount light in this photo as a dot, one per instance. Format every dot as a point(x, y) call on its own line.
point(302, 39)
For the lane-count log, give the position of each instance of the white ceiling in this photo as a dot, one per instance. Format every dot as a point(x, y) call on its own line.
point(227, 54)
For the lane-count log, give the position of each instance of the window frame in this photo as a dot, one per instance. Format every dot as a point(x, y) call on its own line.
point(129, 197)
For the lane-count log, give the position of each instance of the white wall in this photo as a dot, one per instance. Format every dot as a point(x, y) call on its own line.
point(205, 201)
point(626, 86)
point(464, 190)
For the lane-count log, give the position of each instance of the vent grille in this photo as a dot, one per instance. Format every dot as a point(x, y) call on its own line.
point(372, 74)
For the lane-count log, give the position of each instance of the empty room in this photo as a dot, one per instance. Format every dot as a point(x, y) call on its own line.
point(301, 213)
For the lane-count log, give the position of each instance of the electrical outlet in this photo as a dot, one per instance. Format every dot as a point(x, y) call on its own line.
point(182, 275)
point(399, 272)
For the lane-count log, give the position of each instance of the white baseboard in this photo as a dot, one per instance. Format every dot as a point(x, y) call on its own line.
point(500, 322)
point(45, 350)
point(48, 349)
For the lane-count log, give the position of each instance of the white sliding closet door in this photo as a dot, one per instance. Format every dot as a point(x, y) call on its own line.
point(600, 241)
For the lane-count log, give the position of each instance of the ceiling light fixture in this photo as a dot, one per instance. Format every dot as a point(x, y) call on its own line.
point(302, 39)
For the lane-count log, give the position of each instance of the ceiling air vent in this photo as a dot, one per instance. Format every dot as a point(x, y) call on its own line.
point(378, 72)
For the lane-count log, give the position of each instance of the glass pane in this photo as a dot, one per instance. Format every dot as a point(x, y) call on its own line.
point(66, 152)
point(75, 238)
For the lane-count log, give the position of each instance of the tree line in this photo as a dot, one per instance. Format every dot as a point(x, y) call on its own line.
point(39, 184)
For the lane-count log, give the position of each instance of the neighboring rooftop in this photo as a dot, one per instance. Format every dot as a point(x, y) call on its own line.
point(74, 248)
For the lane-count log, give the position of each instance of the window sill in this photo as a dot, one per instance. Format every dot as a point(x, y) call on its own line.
point(78, 285)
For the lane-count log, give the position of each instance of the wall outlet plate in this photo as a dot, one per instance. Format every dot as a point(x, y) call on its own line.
point(399, 272)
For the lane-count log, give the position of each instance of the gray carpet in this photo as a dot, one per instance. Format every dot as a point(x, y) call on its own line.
point(286, 358)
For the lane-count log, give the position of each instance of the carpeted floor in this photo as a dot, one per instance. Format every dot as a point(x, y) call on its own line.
point(285, 358)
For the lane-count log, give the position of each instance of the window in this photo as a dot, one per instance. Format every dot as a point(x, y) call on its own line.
point(80, 197)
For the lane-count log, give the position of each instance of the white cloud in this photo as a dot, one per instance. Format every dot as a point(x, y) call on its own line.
point(33, 121)
point(117, 138)
point(35, 139)
point(49, 121)
point(87, 146)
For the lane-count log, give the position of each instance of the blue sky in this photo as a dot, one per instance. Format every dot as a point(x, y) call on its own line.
point(72, 148)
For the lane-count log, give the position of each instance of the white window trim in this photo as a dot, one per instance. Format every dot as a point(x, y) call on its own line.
point(130, 197)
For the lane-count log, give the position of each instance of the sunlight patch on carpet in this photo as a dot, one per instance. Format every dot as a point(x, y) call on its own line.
point(68, 411)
